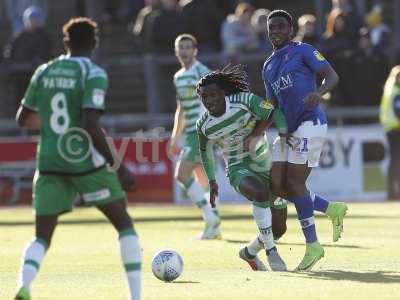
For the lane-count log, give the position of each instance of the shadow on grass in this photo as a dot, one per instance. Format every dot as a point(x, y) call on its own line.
point(364, 277)
point(178, 218)
point(326, 245)
point(300, 244)
point(237, 241)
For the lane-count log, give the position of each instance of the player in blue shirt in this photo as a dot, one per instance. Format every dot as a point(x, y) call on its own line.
point(289, 76)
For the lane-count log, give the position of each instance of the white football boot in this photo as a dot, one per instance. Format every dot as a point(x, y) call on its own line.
point(212, 230)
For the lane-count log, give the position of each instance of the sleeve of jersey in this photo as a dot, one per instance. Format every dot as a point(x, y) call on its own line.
point(313, 58)
point(207, 155)
point(30, 99)
point(269, 92)
point(260, 107)
point(205, 71)
point(95, 92)
point(280, 121)
point(176, 89)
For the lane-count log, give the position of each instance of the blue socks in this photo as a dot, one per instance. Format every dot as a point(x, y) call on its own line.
point(320, 204)
point(305, 213)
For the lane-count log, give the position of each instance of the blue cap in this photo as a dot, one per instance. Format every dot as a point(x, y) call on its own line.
point(33, 13)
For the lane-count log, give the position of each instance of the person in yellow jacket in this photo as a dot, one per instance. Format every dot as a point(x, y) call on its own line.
point(390, 119)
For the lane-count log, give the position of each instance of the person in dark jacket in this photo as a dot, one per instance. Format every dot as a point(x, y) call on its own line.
point(30, 48)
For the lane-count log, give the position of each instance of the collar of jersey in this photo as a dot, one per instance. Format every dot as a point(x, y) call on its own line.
point(195, 62)
point(68, 56)
point(284, 49)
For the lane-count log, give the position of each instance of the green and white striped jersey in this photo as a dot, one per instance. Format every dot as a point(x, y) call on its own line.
point(230, 130)
point(59, 91)
point(185, 81)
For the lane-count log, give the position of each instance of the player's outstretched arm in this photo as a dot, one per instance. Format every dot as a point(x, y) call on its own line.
point(90, 122)
point(177, 130)
point(207, 155)
point(27, 118)
point(280, 121)
point(207, 158)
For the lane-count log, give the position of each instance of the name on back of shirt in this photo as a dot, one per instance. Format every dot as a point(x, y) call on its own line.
point(59, 83)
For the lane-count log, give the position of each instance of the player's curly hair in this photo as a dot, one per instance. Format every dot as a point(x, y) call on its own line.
point(232, 79)
point(80, 32)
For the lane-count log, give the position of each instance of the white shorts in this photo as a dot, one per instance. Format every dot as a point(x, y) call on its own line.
point(307, 143)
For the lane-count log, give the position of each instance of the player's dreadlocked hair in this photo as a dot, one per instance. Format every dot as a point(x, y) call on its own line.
point(80, 32)
point(232, 79)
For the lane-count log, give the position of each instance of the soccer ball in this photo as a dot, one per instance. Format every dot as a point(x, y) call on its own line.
point(167, 265)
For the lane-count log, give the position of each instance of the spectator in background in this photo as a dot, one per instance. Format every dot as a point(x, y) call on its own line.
point(238, 35)
point(259, 21)
point(164, 26)
point(390, 120)
point(97, 10)
point(141, 28)
point(128, 10)
point(15, 10)
point(106, 11)
point(350, 13)
point(307, 32)
point(379, 31)
point(3, 15)
point(26, 51)
point(338, 46)
point(371, 66)
point(203, 19)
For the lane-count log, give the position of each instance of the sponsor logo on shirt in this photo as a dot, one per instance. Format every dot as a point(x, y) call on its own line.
point(282, 83)
point(98, 97)
point(319, 56)
point(266, 105)
point(286, 57)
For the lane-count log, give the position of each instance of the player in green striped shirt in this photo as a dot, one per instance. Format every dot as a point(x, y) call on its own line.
point(189, 109)
point(65, 100)
point(235, 120)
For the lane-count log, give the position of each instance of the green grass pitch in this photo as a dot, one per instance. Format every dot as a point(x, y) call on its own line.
point(84, 263)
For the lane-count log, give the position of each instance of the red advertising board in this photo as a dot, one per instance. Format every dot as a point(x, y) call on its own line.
point(148, 160)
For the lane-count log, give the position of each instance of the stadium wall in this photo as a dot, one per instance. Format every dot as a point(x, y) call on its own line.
point(353, 167)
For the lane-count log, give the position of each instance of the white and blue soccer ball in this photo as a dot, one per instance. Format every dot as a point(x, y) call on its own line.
point(167, 265)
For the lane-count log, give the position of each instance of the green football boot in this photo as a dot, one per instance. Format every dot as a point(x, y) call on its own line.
point(314, 252)
point(23, 294)
point(336, 212)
